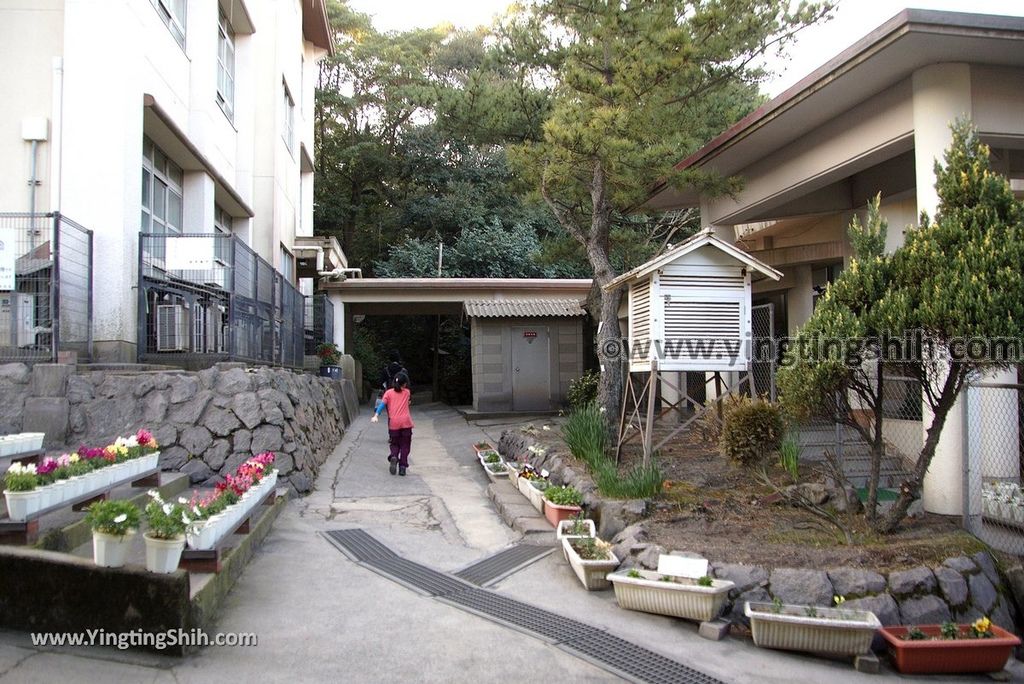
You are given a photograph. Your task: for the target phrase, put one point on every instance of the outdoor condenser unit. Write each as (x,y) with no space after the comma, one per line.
(17,319)
(171,327)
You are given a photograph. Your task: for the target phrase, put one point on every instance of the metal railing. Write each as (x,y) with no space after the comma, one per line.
(45,288)
(319,322)
(209,297)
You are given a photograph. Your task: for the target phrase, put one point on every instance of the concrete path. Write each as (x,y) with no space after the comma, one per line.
(321,617)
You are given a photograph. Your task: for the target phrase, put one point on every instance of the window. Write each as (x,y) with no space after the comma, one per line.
(161,191)
(821,276)
(287,265)
(225,66)
(222,227)
(173,14)
(288,130)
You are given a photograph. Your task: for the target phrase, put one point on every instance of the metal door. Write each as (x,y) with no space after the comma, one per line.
(531,369)
(763,360)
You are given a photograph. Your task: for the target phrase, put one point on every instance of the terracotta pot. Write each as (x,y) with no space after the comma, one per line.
(949,655)
(556,513)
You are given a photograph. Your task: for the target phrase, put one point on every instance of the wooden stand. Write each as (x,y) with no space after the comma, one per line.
(209,560)
(23,533)
(23,457)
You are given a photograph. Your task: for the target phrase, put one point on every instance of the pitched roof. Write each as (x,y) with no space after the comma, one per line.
(523,308)
(705,237)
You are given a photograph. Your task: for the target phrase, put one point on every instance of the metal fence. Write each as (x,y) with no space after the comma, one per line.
(993,410)
(209,297)
(319,322)
(45,288)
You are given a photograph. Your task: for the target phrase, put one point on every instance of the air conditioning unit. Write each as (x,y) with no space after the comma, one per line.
(171,327)
(17,319)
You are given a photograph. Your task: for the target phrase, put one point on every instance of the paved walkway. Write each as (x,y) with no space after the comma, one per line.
(321,617)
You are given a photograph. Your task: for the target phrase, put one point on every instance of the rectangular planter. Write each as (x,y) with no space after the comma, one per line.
(562,529)
(496,476)
(834,631)
(951,656)
(556,513)
(536,496)
(649,594)
(592,573)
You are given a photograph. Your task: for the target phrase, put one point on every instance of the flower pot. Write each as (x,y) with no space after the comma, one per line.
(487,447)
(563,527)
(949,655)
(204,537)
(681,599)
(20,505)
(496,475)
(593,574)
(536,496)
(332,372)
(110,550)
(556,513)
(33,441)
(163,555)
(832,630)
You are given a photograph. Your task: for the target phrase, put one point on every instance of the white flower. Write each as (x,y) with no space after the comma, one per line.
(184,518)
(196,511)
(545,427)
(132,441)
(603,409)
(544,473)
(183,501)
(167,509)
(120,518)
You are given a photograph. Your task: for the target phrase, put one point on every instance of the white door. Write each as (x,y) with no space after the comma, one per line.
(531,369)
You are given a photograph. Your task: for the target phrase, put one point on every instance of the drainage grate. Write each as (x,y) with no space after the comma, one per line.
(502,564)
(604,650)
(358,545)
(535,621)
(633,662)
(416,576)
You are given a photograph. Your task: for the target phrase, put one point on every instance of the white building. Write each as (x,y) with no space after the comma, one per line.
(165,117)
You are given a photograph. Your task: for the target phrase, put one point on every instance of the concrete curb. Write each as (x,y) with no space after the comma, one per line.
(520,515)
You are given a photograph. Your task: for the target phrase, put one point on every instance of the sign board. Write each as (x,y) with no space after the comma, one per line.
(8,254)
(678,566)
(530,334)
(189,254)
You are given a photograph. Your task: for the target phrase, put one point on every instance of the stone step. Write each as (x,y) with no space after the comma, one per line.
(519,514)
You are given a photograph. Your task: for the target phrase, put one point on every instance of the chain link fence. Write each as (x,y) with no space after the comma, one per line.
(993,409)
(209,297)
(45,288)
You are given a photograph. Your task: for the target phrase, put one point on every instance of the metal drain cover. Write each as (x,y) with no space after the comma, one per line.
(502,564)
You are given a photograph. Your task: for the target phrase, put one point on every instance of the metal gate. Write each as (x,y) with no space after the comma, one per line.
(763,352)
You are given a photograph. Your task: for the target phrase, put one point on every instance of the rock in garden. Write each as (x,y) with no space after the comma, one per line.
(814,492)
(17,373)
(195,439)
(745,577)
(987,565)
(801,586)
(736,613)
(241,440)
(247,407)
(266,438)
(221,422)
(952,585)
(197,470)
(300,482)
(853,582)
(924,610)
(173,458)
(183,388)
(188,413)
(920,580)
(648,558)
(961,564)
(882,605)
(983,593)
(233,382)
(217,454)
(1001,616)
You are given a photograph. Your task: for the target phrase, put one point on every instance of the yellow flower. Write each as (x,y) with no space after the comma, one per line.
(74,458)
(982,625)
(839,600)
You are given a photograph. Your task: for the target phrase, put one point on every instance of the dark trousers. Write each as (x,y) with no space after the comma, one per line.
(401,443)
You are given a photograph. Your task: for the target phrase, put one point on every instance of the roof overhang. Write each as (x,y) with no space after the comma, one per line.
(524,308)
(316,26)
(701,239)
(307,250)
(891,53)
(169,137)
(458,290)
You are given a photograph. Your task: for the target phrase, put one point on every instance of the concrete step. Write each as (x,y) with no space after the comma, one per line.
(519,514)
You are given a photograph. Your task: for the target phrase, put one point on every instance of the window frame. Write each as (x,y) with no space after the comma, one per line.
(175,24)
(160,168)
(226,52)
(288,115)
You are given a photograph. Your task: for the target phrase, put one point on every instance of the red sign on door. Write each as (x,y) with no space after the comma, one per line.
(529,333)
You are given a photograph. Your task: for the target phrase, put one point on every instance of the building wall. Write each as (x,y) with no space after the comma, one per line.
(492,359)
(114,54)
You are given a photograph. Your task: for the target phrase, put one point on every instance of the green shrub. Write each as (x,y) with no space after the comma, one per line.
(564,496)
(641,482)
(753,429)
(789,456)
(583,390)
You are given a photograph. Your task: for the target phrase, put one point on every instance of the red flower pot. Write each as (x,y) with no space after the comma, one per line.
(556,514)
(932,656)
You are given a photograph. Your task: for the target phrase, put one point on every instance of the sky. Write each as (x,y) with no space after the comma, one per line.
(852,20)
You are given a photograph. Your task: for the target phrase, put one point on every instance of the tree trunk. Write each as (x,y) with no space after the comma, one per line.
(877,450)
(911,489)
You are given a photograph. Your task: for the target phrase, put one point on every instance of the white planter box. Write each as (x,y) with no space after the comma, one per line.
(110,551)
(649,594)
(592,574)
(834,631)
(20,505)
(535,495)
(224,523)
(495,476)
(33,441)
(561,532)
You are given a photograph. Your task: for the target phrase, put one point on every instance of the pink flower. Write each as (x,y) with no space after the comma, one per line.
(64,460)
(46,467)
(144,437)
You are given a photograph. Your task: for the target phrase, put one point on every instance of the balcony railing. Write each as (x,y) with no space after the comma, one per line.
(208,297)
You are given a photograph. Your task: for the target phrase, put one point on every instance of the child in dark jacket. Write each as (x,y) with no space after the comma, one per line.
(400,425)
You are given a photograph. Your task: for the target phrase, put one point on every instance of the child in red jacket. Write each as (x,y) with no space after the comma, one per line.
(396,400)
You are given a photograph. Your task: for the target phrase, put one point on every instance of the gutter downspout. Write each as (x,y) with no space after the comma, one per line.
(57,135)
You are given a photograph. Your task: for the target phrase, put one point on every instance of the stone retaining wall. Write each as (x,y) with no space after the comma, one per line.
(961,588)
(207,422)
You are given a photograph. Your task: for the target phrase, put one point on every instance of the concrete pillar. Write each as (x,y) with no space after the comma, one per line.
(340,322)
(799,298)
(942,93)
(198,190)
